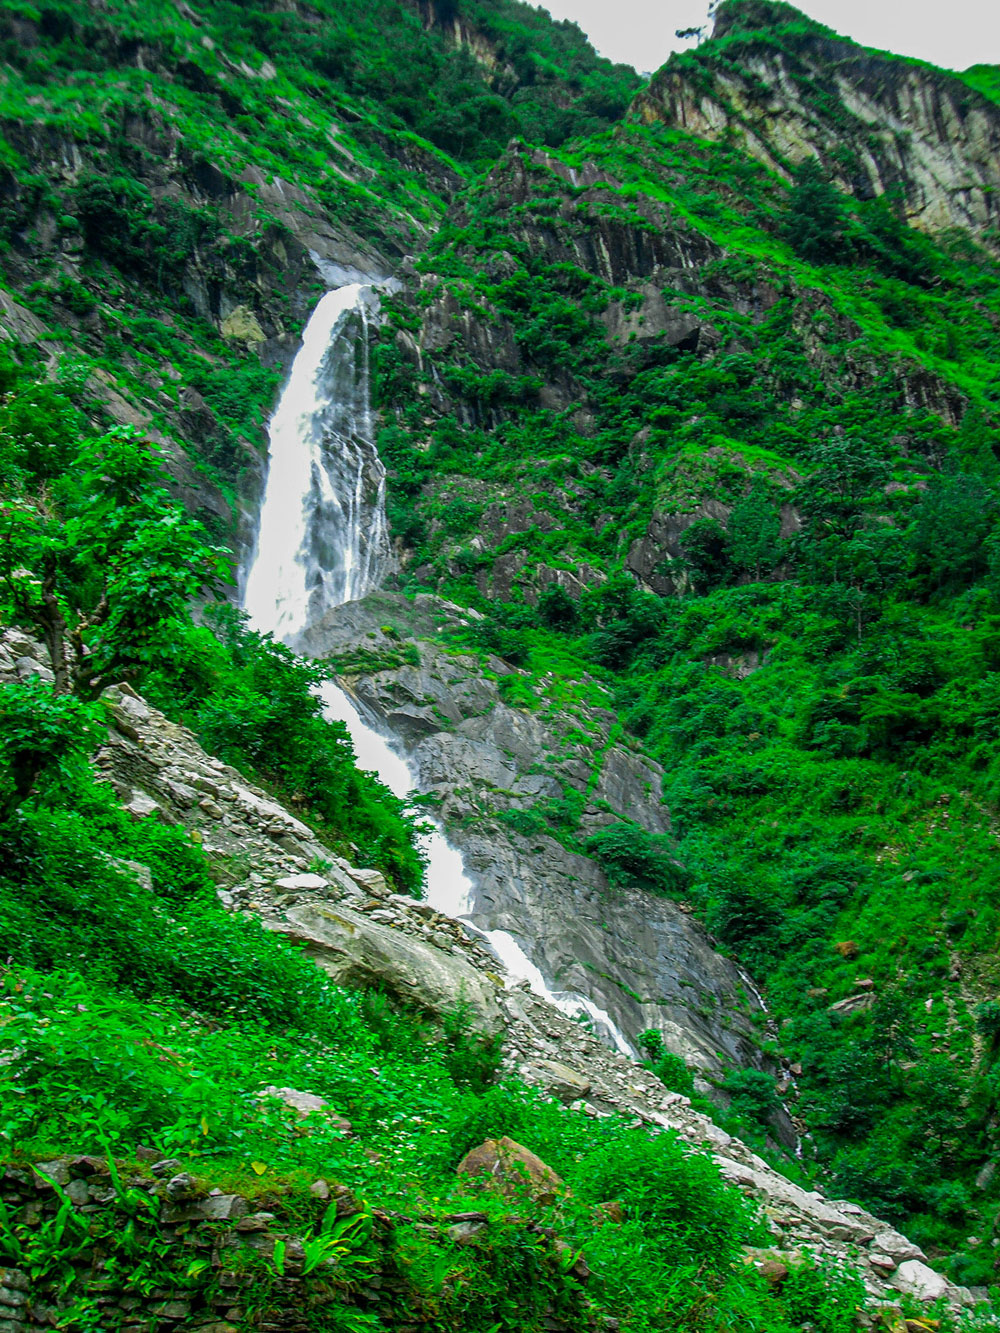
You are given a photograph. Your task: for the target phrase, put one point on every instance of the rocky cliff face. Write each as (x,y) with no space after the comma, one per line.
(252,285)
(655,289)
(169,237)
(488,766)
(786,89)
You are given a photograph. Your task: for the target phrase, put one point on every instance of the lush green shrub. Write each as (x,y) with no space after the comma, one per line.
(669,1068)
(44,741)
(252,702)
(68,899)
(630,857)
(685,1209)
(753,1095)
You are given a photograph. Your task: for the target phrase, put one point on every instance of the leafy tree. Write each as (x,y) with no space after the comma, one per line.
(753,1094)
(557,610)
(502,631)
(43,739)
(848,477)
(940,1116)
(856,1095)
(707,549)
(987,1016)
(858,572)
(954,519)
(882,237)
(755,530)
(742,912)
(814,224)
(38,425)
(104,564)
(891,1035)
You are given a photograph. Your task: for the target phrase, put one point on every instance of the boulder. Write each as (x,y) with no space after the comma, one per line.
(306,1104)
(241,325)
(222,1207)
(580,1269)
(853,1004)
(882,1263)
(372,880)
(466,1230)
(986,1175)
(773,1265)
(896,1246)
(356,951)
(181,1186)
(563,1082)
(165,1166)
(142,805)
(510,1169)
(303,883)
(773,1271)
(916,1279)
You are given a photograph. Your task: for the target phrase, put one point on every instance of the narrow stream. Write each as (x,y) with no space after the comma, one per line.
(322,540)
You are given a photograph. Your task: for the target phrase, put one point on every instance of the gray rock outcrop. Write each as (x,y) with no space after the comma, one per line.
(355,951)
(490,767)
(898,125)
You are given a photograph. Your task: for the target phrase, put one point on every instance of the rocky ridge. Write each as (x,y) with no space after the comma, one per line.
(786,90)
(360,932)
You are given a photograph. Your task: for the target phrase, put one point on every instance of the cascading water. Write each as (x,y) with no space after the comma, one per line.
(322,540)
(322,537)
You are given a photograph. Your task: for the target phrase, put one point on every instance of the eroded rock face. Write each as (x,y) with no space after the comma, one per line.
(899,126)
(640,957)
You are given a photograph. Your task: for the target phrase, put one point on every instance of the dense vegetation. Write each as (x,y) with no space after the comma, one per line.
(142,1013)
(811,399)
(816,669)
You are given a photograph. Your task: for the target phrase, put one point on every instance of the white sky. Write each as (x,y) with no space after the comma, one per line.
(955,35)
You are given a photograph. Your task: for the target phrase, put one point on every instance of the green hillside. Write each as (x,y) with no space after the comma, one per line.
(696,430)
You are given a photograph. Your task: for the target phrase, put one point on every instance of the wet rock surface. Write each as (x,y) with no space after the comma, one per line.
(639,957)
(899,127)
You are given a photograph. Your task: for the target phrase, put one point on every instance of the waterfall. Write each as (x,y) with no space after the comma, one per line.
(322,539)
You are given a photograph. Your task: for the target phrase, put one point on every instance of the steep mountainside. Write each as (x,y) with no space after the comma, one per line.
(787,89)
(688,396)
(180,182)
(725,439)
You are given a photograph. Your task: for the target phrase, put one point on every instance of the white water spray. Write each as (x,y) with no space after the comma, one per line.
(322,540)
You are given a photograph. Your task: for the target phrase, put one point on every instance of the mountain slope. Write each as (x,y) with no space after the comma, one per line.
(697,413)
(727,440)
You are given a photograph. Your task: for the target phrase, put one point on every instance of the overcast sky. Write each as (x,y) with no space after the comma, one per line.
(955,35)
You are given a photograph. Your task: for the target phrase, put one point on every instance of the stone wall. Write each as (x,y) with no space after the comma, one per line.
(147,1251)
